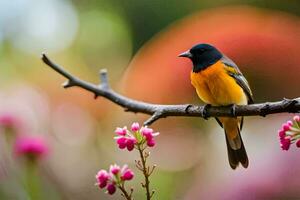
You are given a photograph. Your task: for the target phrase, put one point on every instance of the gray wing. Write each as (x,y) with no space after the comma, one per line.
(238,77)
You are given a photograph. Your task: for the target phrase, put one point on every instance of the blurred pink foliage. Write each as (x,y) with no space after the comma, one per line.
(33,148)
(8,120)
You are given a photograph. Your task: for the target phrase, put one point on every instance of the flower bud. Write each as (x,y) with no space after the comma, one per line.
(151,143)
(296,118)
(281,133)
(102,176)
(31,147)
(285,143)
(121,131)
(130,143)
(122,141)
(111,189)
(135,126)
(127,175)
(298,143)
(114,169)
(286,126)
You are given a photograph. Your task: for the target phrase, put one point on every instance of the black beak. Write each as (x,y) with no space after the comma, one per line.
(186,54)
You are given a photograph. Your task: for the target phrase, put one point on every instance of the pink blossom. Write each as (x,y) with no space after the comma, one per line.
(32,147)
(285,143)
(114,169)
(151,143)
(147,132)
(102,184)
(289,133)
(122,142)
(116,177)
(121,131)
(126,142)
(149,136)
(111,188)
(130,143)
(298,143)
(9,121)
(102,178)
(129,140)
(296,118)
(281,133)
(127,175)
(286,126)
(135,126)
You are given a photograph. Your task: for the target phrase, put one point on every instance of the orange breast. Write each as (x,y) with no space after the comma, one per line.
(214,86)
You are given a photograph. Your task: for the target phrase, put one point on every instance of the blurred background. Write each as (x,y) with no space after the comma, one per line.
(138,42)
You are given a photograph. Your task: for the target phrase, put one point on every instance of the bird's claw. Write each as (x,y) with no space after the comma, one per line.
(204,113)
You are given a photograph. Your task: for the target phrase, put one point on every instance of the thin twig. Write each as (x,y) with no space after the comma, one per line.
(146,185)
(158,111)
(125,194)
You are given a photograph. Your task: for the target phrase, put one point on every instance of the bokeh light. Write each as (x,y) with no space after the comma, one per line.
(38,26)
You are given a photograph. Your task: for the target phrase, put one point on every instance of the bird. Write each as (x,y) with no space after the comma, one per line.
(219,82)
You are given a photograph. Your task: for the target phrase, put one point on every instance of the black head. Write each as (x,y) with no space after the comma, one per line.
(202,56)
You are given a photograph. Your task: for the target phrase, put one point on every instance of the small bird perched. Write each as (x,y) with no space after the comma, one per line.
(219,82)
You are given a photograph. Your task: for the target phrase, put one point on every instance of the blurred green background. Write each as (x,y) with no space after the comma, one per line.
(138,42)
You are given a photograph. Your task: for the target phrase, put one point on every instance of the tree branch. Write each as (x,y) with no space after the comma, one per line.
(160,111)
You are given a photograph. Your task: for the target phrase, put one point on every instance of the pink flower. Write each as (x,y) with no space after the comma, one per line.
(285,143)
(281,133)
(111,189)
(126,142)
(121,131)
(147,132)
(298,143)
(149,136)
(151,143)
(9,121)
(130,143)
(102,184)
(127,175)
(122,142)
(31,147)
(102,178)
(116,177)
(141,136)
(114,169)
(286,126)
(135,126)
(289,133)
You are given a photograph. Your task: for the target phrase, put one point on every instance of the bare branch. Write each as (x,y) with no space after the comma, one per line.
(159,111)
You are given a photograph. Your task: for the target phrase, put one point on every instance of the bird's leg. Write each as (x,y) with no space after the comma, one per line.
(204,113)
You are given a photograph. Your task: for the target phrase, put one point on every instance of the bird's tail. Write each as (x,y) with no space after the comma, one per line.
(235,146)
